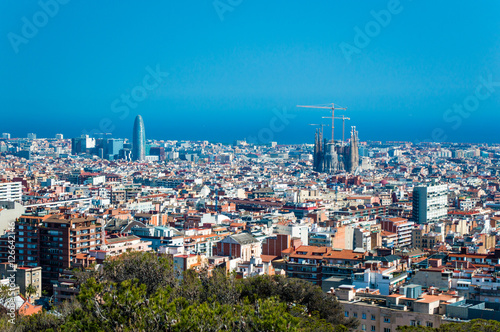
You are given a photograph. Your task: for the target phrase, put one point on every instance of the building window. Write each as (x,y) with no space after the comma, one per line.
(363,327)
(346,313)
(412,323)
(363,315)
(430,324)
(387,320)
(355,314)
(373,328)
(373,317)
(386,329)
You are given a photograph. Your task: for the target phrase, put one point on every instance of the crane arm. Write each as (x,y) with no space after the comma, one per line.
(326,107)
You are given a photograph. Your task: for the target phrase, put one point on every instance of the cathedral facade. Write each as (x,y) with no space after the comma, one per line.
(330,157)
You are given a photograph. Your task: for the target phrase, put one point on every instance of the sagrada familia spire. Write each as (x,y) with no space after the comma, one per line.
(331,158)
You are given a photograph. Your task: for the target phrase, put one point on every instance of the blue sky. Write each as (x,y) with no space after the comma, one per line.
(232,65)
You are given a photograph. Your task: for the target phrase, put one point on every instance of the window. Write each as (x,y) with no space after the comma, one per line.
(387,320)
(412,323)
(430,324)
(346,313)
(386,329)
(363,315)
(363,327)
(373,327)
(355,314)
(373,317)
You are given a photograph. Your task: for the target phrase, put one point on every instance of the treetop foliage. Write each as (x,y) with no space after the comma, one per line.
(144,292)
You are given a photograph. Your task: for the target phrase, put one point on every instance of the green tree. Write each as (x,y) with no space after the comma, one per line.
(30,290)
(296,291)
(149,269)
(142,292)
(219,287)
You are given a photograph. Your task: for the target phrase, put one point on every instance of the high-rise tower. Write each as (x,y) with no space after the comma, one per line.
(139,140)
(430,202)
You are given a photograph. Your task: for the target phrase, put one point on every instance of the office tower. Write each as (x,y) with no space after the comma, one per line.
(430,203)
(158,151)
(100,146)
(113,146)
(11,191)
(83,144)
(139,140)
(6,135)
(31,136)
(125,154)
(76,145)
(59,136)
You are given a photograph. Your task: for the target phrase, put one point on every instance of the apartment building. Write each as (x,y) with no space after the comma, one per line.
(11,191)
(25,276)
(122,244)
(316,264)
(402,227)
(430,203)
(54,241)
(241,245)
(379,313)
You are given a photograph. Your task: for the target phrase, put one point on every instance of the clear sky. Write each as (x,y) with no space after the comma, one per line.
(232,69)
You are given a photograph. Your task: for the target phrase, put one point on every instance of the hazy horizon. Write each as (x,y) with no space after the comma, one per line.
(216,70)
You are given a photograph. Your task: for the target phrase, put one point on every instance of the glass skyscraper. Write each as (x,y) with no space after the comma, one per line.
(139,140)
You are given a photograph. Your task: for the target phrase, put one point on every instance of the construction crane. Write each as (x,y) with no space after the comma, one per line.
(343,118)
(320,124)
(330,107)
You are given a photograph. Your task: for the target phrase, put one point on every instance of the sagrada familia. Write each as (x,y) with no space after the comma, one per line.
(330,157)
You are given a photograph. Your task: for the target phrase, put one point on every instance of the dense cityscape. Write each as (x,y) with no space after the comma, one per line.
(249,166)
(401,234)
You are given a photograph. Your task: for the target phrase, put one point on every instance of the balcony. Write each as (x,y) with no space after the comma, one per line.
(305,262)
(398,276)
(489,292)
